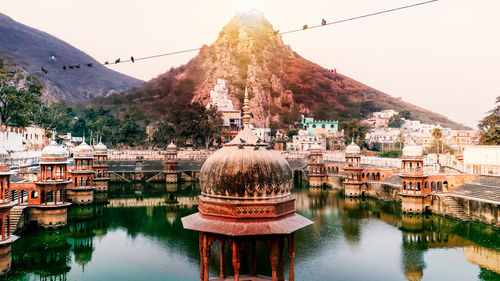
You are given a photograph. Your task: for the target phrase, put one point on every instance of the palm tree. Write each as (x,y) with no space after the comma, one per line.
(437,134)
(400,139)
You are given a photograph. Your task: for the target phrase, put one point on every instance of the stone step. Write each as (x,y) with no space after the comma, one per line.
(455,209)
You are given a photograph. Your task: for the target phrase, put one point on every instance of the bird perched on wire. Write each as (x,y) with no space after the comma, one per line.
(106,62)
(269,148)
(323,22)
(132,59)
(89,64)
(256,148)
(259,141)
(276,32)
(240,146)
(305,27)
(242,140)
(117,60)
(44,70)
(71,67)
(64,67)
(77,66)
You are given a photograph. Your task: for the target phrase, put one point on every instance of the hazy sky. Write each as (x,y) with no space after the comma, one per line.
(444,56)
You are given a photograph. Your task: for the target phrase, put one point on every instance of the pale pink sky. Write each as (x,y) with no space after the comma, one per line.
(444,56)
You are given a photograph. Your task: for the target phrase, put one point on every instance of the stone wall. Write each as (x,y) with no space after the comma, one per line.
(5,259)
(49,217)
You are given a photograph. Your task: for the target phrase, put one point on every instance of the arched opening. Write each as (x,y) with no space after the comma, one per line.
(24,196)
(14,195)
(433,187)
(34,194)
(50,196)
(426,185)
(378,176)
(418,186)
(44,199)
(404,185)
(7,227)
(440,186)
(410,186)
(445,183)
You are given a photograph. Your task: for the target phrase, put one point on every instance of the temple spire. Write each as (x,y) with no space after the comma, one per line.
(246,108)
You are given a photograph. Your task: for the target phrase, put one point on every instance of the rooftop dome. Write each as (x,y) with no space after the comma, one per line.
(53,150)
(352,149)
(100,147)
(172,146)
(412,150)
(245,169)
(83,148)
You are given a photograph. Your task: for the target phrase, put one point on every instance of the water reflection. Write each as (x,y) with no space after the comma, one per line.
(135,233)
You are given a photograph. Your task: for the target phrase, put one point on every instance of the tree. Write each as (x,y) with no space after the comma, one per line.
(395,121)
(20,96)
(437,134)
(353,128)
(489,126)
(406,114)
(401,139)
(55,116)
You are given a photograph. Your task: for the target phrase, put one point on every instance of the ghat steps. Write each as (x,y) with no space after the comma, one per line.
(455,209)
(15,215)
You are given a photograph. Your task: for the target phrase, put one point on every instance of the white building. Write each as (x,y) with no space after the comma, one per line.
(482,159)
(263,133)
(389,135)
(385,114)
(219,97)
(304,142)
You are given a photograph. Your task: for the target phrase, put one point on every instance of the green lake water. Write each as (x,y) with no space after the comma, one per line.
(137,236)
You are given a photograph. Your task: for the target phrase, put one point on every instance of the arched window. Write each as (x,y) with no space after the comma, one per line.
(410,185)
(404,185)
(426,185)
(433,187)
(418,186)
(34,194)
(440,186)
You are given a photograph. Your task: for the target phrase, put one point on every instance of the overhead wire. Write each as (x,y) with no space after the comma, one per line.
(305,27)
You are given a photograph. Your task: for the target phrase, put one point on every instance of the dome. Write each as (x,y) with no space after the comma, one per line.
(245,169)
(172,147)
(352,149)
(83,148)
(412,150)
(53,150)
(100,147)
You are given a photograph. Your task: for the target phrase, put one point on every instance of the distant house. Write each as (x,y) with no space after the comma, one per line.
(315,127)
(303,141)
(385,114)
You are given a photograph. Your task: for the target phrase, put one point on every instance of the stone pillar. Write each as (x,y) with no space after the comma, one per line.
(236,261)
(253,266)
(291,256)
(221,274)
(274,259)
(281,265)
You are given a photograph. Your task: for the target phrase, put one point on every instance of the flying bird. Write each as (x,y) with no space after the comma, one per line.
(132,59)
(323,22)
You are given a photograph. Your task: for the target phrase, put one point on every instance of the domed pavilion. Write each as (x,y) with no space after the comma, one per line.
(100,167)
(245,198)
(48,198)
(413,192)
(353,185)
(81,191)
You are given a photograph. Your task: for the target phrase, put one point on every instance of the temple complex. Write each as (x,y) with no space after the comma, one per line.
(47,198)
(172,175)
(100,167)
(81,189)
(246,199)
(6,205)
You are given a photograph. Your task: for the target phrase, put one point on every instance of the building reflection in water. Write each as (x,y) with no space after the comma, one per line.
(47,254)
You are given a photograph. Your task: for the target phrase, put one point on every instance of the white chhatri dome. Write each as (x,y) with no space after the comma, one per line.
(172,146)
(412,150)
(83,148)
(53,150)
(100,147)
(352,149)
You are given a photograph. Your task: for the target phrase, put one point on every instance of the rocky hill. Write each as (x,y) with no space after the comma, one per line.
(247,53)
(32,49)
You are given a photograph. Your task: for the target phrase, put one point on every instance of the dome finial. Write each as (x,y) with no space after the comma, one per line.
(246,113)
